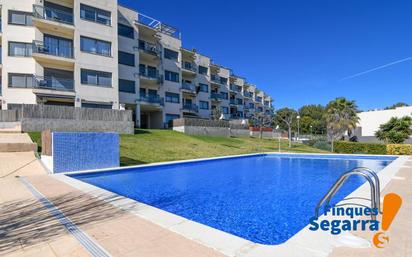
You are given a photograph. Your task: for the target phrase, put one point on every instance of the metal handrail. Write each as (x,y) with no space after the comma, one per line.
(361,171)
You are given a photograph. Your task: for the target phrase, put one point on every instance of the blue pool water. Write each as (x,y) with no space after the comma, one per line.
(263,198)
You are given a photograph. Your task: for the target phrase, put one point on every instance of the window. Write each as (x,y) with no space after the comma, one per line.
(240,114)
(57,46)
(260,109)
(127,86)
(251,106)
(126,58)
(203,70)
(203,87)
(224,95)
(20,18)
(225,110)
(204,105)
(170,54)
(17,80)
(170,117)
(171,76)
(172,98)
(125,31)
(94,14)
(96,78)
(95,46)
(239,101)
(142,92)
(20,49)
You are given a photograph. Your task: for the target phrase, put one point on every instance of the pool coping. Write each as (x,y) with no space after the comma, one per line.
(303,243)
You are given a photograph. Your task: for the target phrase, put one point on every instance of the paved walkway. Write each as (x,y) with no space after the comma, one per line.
(400,231)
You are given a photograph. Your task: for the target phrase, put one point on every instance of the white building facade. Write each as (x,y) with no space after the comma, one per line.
(98,54)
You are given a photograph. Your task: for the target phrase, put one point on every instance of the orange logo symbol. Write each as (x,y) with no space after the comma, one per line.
(391,205)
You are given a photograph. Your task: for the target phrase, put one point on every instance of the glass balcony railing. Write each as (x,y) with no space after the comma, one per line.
(153,99)
(188,86)
(232,101)
(248,94)
(48,13)
(150,74)
(149,48)
(259,99)
(188,66)
(53,48)
(190,107)
(216,95)
(54,83)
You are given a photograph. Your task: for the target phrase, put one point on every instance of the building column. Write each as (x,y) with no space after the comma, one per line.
(137,116)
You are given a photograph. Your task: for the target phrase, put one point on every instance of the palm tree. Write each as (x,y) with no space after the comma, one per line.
(341,117)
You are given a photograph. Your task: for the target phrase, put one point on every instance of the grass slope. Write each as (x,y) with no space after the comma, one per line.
(149,145)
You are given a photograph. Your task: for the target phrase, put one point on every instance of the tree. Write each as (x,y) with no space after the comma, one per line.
(261,121)
(341,117)
(312,119)
(285,118)
(216,114)
(395,131)
(394,106)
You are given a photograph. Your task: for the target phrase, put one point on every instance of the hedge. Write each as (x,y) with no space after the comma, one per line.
(359,148)
(398,149)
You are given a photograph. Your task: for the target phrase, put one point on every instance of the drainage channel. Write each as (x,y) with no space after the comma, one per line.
(89,244)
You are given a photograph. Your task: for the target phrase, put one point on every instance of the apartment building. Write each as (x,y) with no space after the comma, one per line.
(99,54)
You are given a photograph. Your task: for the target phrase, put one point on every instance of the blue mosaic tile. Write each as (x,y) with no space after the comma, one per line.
(74,151)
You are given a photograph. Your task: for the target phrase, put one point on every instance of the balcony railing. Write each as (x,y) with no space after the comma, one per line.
(54,83)
(216,95)
(259,99)
(190,107)
(235,88)
(157,25)
(236,116)
(152,75)
(248,94)
(232,101)
(153,99)
(149,48)
(48,13)
(188,86)
(188,66)
(53,49)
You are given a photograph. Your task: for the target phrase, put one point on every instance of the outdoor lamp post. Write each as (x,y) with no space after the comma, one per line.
(311,131)
(277,128)
(298,117)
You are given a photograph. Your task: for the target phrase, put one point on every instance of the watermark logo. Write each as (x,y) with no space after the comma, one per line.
(391,205)
(357,222)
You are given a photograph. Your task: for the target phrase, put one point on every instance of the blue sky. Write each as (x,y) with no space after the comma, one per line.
(299,51)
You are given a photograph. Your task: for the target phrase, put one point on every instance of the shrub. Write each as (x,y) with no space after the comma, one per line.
(323,145)
(359,148)
(398,149)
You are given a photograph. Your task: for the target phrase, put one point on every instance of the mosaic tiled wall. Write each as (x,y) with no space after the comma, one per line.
(75,151)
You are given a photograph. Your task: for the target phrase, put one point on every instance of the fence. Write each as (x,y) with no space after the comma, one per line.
(65,118)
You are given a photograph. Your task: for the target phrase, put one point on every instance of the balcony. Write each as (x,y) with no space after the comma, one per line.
(233,101)
(153,24)
(188,68)
(216,96)
(54,83)
(248,94)
(151,100)
(150,76)
(235,88)
(259,99)
(49,18)
(188,87)
(53,54)
(190,107)
(148,50)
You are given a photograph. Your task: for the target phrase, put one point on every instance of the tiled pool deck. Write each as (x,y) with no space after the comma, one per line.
(28,229)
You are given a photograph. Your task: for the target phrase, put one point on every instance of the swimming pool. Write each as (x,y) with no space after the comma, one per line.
(264,198)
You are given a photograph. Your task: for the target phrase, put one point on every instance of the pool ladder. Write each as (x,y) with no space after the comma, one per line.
(374,184)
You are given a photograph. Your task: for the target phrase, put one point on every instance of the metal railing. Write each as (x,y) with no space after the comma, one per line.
(157,25)
(190,107)
(370,177)
(149,74)
(54,83)
(153,99)
(188,86)
(52,49)
(149,48)
(48,13)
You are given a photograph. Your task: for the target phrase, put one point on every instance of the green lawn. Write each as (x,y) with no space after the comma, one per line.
(149,145)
